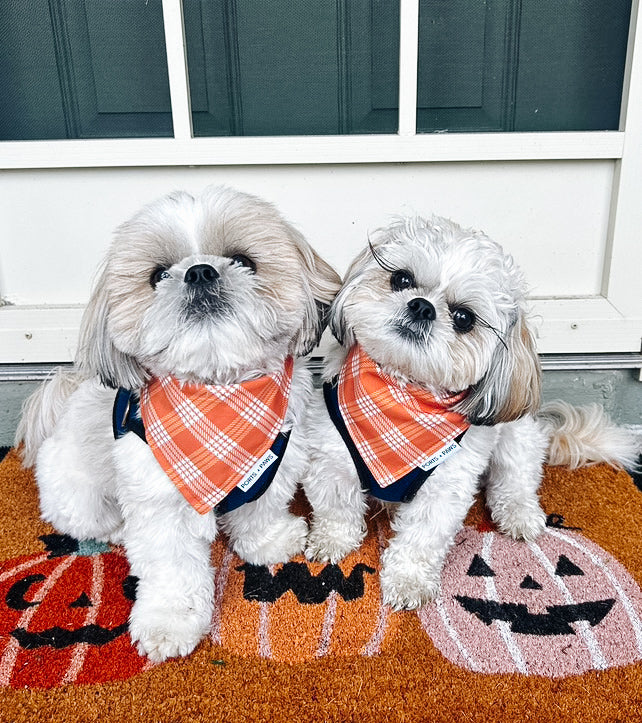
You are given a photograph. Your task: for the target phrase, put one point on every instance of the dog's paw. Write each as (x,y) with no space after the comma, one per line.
(522,522)
(163,633)
(331,541)
(406,583)
(284,539)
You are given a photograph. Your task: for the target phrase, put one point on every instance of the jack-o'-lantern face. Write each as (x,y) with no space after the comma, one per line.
(63,616)
(558,606)
(301,610)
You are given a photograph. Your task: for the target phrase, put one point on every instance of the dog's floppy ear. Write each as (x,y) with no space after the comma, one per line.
(511,387)
(97,354)
(322,283)
(337,318)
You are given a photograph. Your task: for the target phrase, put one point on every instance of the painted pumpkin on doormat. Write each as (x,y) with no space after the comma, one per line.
(557,607)
(299,610)
(63,616)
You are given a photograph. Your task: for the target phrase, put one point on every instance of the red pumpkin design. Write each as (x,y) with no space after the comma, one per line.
(557,607)
(63,616)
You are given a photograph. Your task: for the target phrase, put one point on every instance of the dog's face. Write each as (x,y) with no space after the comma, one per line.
(206,289)
(443,307)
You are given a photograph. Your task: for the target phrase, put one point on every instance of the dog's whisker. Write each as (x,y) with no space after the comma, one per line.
(495,331)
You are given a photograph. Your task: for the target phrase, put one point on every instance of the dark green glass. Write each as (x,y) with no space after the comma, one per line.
(83,69)
(97,68)
(292,67)
(521,65)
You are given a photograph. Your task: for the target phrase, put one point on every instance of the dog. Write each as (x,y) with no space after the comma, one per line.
(431,391)
(203,303)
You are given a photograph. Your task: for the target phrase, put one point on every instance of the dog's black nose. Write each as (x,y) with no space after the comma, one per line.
(200,274)
(421,309)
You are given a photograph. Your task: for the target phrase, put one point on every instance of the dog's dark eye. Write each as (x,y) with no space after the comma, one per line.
(401,280)
(463,319)
(158,275)
(242,260)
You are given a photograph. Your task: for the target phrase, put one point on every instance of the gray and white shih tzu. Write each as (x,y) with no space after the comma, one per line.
(432,391)
(202,303)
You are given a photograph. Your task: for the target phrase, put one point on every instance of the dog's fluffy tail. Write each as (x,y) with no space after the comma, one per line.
(580,436)
(41,411)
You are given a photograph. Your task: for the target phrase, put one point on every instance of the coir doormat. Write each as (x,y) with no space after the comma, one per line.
(550,631)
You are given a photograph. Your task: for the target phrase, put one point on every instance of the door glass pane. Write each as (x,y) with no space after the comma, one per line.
(83,69)
(521,65)
(292,67)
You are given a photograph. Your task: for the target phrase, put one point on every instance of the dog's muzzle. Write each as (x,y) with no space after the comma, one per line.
(417,320)
(204,296)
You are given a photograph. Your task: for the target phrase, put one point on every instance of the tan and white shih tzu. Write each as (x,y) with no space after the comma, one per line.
(200,316)
(432,392)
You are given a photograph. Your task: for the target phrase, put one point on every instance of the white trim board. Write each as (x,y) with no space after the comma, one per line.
(585,325)
(286,150)
(38,334)
(565,326)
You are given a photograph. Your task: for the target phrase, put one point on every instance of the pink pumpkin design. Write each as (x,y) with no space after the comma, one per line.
(559,606)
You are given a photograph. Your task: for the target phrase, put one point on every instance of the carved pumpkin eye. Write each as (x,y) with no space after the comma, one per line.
(566,567)
(479,568)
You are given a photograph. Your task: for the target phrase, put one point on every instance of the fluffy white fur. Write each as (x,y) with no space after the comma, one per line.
(143,319)
(453,269)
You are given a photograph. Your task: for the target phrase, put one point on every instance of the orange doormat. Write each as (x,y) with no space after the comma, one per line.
(543,632)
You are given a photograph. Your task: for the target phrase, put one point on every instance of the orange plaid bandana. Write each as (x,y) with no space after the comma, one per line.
(211,438)
(395,429)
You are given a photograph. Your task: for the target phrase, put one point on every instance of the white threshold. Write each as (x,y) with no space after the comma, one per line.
(29,372)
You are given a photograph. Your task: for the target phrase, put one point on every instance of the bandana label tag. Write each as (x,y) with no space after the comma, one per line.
(257,470)
(441,456)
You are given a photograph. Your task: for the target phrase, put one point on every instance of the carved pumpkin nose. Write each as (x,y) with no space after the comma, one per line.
(529,584)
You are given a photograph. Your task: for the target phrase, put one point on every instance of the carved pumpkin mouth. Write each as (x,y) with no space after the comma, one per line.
(557,621)
(263,586)
(60,638)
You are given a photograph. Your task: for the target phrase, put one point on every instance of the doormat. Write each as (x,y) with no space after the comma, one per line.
(549,631)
